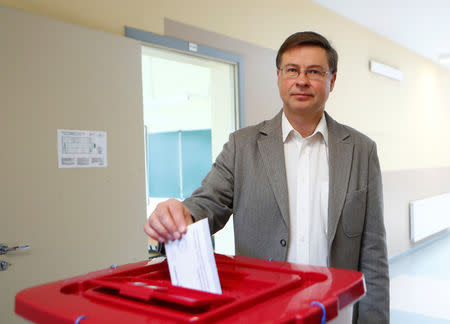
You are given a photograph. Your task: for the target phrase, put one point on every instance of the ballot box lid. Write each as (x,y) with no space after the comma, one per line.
(253,291)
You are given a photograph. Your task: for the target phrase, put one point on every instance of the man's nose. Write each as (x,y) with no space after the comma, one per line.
(302,79)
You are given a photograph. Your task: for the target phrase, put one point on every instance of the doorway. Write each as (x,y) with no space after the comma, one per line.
(191,105)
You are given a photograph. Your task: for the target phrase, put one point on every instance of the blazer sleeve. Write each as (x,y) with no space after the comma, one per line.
(374,307)
(214,198)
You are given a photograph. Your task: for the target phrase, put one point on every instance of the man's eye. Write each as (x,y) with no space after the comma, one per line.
(291,70)
(313,72)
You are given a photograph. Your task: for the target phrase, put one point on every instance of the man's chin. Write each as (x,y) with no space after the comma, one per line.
(302,110)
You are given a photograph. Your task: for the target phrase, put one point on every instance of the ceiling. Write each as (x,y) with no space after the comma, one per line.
(421,26)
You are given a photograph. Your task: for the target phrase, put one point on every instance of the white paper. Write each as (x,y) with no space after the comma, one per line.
(81,149)
(191,260)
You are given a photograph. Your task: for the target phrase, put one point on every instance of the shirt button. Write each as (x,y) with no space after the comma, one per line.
(283,243)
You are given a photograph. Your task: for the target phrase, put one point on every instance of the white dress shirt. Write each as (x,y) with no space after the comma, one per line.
(307,179)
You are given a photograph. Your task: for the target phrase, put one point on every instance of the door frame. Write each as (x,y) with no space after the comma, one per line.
(195,49)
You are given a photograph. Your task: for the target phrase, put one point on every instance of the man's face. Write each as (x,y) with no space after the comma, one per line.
(301,96)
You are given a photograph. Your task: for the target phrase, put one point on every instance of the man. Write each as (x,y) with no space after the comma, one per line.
(302,187)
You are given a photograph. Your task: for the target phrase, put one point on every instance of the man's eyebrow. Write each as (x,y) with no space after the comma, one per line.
(315,66)
(308,67)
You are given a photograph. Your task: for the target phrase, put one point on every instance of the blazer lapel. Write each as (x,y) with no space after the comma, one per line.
(271,148)
(340,152)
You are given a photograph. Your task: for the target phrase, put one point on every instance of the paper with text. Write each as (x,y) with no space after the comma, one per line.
(191,259)
(81,149)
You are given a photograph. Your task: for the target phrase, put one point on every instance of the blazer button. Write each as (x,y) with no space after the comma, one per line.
(283,243)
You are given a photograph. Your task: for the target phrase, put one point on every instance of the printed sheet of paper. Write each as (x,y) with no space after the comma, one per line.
(81,149)
(191,260)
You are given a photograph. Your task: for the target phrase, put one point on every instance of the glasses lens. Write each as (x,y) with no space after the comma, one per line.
(291,72)
(315,74)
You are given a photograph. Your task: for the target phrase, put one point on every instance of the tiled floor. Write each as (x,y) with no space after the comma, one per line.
(420,284)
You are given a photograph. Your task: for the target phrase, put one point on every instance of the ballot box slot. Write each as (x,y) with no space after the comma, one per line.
(162,291)
(154,308)
(183,304)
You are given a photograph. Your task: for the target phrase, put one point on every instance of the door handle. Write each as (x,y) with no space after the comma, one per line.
(5,249)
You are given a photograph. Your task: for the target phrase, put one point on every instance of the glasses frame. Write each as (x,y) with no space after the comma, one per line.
(309,73)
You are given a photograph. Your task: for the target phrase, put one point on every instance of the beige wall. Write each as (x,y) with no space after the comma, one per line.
(407,119)
(56,75)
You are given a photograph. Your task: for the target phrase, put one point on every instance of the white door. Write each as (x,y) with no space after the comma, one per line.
(54,75)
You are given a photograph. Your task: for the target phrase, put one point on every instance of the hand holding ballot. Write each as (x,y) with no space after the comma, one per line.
(168,221)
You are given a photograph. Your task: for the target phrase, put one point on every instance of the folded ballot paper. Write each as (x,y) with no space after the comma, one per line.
(191,259)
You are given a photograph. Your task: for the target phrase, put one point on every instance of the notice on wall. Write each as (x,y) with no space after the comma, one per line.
(81,149)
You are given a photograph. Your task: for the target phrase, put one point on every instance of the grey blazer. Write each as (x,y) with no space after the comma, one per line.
(248,180)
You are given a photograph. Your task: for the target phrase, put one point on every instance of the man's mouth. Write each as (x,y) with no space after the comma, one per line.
(301,95)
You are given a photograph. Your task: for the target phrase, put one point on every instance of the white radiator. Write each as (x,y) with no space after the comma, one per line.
(429,216)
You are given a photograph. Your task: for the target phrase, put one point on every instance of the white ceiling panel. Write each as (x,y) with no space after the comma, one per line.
(421,26)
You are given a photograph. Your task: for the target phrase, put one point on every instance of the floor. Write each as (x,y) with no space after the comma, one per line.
(420,284)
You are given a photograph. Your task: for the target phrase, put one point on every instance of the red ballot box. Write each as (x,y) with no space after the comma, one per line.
(254,291)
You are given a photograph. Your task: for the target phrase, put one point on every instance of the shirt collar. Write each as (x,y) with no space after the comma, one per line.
(321,128)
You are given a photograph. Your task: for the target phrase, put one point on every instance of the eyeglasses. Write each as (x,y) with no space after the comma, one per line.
(292,72)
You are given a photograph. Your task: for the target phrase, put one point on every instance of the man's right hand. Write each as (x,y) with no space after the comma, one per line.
(168,221)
